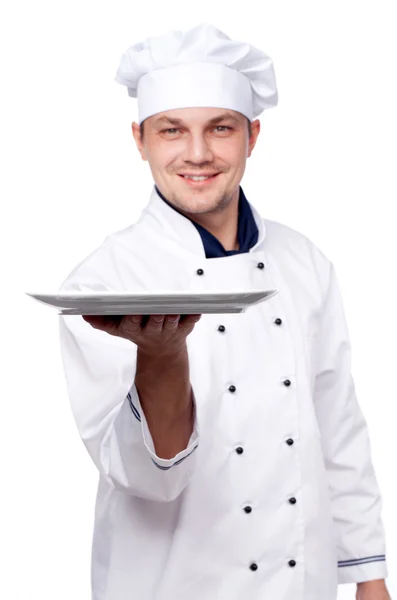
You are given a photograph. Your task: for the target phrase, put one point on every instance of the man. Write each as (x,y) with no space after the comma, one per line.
(233,456)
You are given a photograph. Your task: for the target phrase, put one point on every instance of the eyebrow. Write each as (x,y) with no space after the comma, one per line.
(213,121)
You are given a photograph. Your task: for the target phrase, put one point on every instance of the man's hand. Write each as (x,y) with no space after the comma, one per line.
(372,590)
(156,335)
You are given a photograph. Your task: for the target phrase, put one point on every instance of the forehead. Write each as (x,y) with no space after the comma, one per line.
(195,116)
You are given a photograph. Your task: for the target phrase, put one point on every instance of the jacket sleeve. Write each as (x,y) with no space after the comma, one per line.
(100,371)
(355,497)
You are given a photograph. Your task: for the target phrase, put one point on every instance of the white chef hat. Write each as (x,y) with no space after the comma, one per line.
(199,67)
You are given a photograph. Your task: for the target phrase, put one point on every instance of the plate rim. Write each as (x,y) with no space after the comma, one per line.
(128,294)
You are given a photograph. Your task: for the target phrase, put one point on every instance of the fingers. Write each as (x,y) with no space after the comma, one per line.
(158,323)
(171,322)
(151,324)
(154,324)
(131,325)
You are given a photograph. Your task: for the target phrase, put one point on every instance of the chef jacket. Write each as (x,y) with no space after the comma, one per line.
(275,495)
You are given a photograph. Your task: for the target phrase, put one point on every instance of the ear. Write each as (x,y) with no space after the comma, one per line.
(255,128)
(136,132)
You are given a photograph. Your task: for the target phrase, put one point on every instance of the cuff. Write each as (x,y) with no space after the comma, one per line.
(162,463)
(358,570)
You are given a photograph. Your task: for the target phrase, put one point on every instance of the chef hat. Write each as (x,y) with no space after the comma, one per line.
(199,67)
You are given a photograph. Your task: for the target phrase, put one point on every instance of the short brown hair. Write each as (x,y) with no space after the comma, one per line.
(141,128)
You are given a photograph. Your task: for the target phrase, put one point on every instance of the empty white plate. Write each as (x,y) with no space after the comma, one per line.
(159,303)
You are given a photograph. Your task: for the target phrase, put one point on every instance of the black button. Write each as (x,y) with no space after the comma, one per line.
(248,509)
(287,382)
(290,442)
(278,321)
(292,500)
(239,450)
(253,567)
(232,388)
(261,265)
(221,328)
(200,271)
(292,563)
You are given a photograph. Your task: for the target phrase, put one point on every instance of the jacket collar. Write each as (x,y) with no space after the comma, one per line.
(194,238)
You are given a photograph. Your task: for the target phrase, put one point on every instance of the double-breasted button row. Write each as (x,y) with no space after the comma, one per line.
(239,449)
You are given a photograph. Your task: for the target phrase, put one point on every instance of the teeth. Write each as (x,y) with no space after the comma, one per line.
(196,178)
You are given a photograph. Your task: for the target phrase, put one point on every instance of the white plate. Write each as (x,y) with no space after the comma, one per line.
(159,303)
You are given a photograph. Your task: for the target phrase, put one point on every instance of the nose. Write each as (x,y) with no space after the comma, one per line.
(197,150)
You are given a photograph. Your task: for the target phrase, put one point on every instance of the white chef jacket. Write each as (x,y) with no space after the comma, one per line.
(275,495)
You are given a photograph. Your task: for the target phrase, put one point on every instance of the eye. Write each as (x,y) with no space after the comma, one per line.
(170,130)
(222,127)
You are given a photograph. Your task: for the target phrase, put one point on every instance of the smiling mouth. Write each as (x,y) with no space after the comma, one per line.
(198,179)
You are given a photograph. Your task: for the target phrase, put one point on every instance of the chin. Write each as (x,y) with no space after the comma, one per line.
(200,204)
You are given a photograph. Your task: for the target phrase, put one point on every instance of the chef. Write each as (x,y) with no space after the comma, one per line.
(234,462)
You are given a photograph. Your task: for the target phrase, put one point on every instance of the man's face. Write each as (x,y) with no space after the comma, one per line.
(197,141)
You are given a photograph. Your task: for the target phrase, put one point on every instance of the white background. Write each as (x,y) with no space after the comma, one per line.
(325,164)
